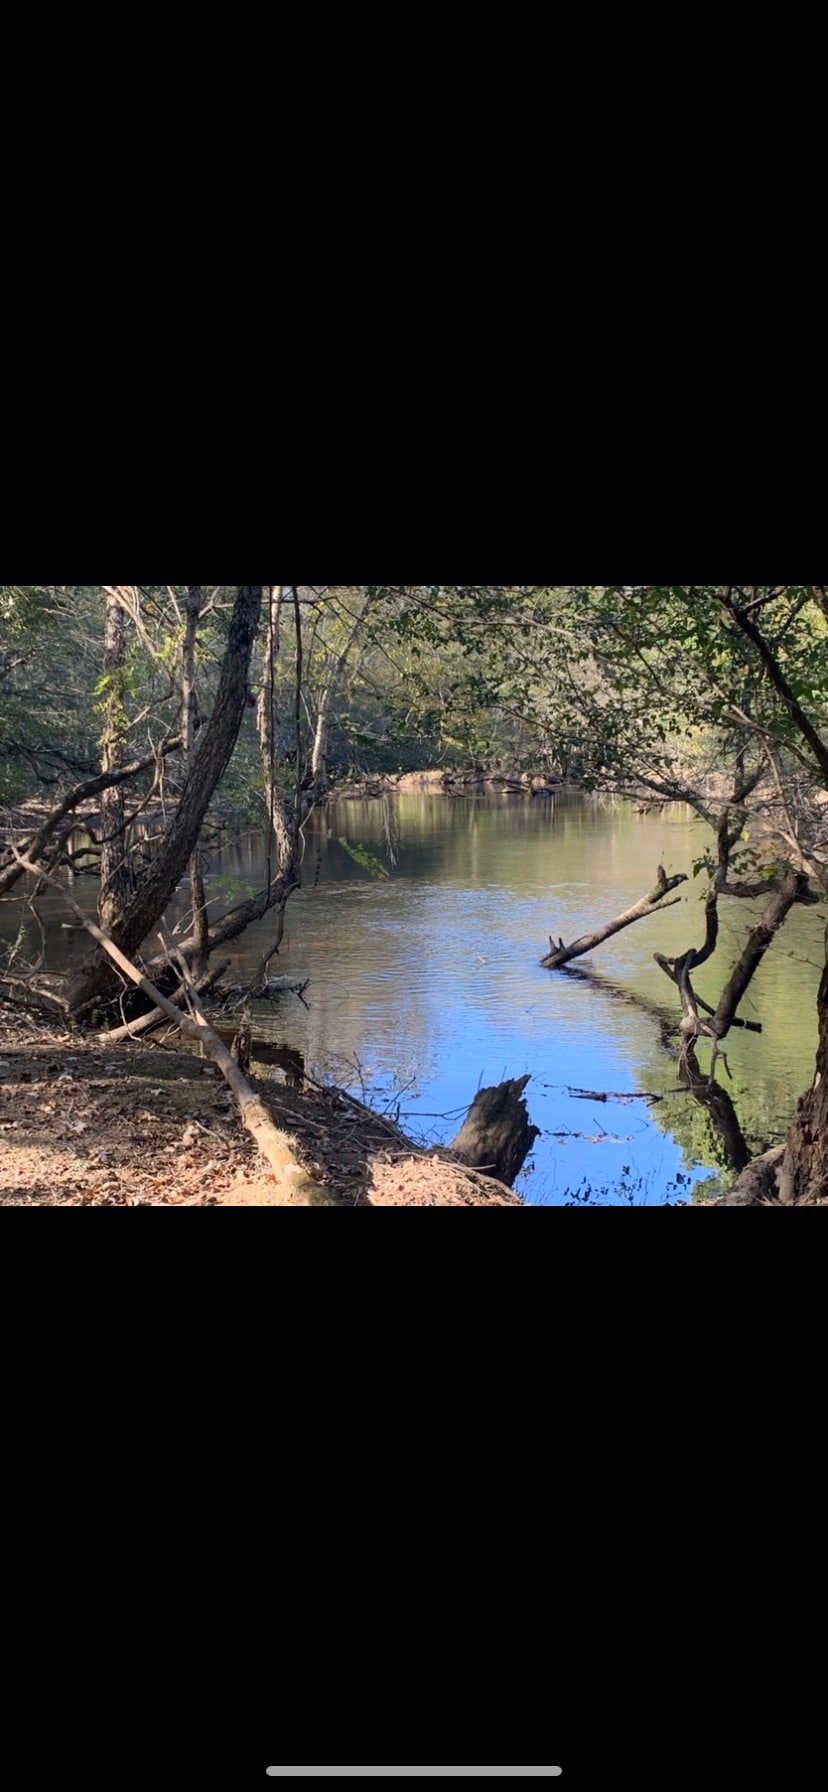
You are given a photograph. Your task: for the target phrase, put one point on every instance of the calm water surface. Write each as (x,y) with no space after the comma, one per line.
(425,984)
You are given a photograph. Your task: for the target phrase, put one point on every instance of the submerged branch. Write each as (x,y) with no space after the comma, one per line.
(649,905)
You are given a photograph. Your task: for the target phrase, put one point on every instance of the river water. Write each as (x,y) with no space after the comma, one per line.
(425,983)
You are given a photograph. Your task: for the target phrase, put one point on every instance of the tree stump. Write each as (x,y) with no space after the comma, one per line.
(497,1135)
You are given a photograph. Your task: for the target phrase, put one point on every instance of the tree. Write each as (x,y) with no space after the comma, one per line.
(778,623)
(749,664)
(712,695)
(115,868)
(47,717)
(131,925)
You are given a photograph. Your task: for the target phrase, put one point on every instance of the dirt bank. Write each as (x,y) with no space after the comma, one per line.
(137,1125)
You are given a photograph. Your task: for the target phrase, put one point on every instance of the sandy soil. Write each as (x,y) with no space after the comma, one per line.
(142,1125)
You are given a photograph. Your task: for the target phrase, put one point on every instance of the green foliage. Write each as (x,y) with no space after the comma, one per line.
(50,655)
(653,685)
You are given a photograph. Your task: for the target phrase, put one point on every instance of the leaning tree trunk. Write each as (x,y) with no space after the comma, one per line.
(283,876)
(804,1173)
(115,884)
(201,929)
(793,888)
(95,981)
(648,905)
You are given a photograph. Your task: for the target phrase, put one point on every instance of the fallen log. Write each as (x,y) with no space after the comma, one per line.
(295,1183)
(497,1136)
(758,1184)
(649,905)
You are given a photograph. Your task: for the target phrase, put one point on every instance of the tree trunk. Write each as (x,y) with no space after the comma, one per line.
(95,981)
(116,883)
(649,905)
(194,605)
(496,1135)
(280,828)
(804,1173)
(282,876)
(793,888)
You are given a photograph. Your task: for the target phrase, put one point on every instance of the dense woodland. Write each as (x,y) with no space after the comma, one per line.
(135,721)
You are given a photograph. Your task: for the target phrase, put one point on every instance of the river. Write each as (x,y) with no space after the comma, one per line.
(425,983)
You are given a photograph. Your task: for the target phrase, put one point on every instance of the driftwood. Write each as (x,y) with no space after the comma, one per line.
(496,1135)
(648,905)
(294,1182)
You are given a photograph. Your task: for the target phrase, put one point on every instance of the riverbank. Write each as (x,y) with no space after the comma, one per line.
(444,783)
(17,817)
(140,1125)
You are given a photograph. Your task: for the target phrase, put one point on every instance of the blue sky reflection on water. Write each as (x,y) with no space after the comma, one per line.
(504,1017)
(427,985)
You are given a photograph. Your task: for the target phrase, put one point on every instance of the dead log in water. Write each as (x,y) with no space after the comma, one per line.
(648,905)
(497,1135)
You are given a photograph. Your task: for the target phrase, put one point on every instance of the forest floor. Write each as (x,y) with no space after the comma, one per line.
(147,1125)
